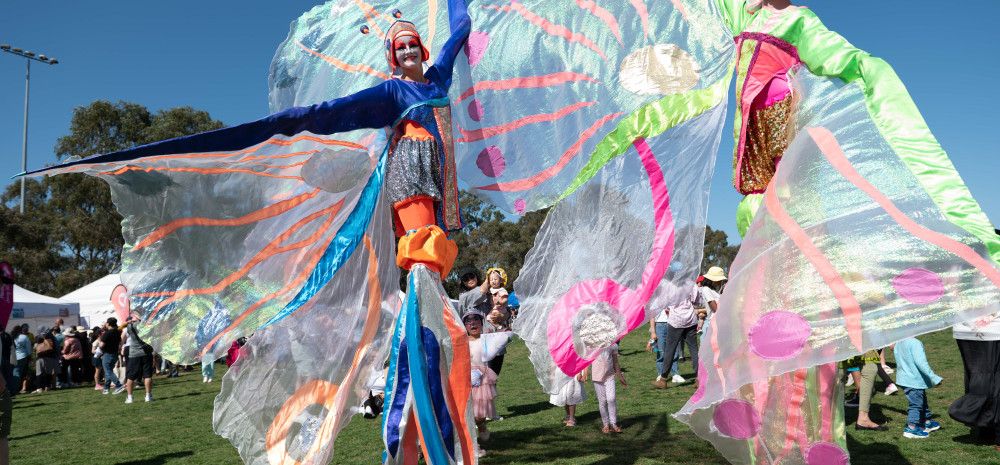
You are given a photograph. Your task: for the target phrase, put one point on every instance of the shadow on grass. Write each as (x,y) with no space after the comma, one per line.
(190,394)
(159,459)
(977,437)
(876,452)
(25,404)
(528,409)
(26,436)
(645,437)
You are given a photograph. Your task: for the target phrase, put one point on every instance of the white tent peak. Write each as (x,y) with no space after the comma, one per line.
(23,295)
(95,299)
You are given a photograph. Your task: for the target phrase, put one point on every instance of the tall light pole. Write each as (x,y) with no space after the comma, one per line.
(29,57)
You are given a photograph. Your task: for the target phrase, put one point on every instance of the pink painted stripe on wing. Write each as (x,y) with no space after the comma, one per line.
(549,27)
(546,174)
(848,303)
(526,82)
(604,15)
(835,155)
(640,8)
(491,131)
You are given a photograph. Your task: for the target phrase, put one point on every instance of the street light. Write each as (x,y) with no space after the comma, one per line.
(29,57)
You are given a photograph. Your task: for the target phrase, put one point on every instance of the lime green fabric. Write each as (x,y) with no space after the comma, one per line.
(826,53)
(650,120)
(746,211)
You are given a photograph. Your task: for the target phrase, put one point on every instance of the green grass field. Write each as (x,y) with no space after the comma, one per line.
(81,426)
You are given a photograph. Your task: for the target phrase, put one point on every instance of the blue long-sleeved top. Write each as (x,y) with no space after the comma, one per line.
(375,107)
(912,368)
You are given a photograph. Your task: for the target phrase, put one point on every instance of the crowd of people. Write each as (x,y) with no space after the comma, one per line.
(72,356)
(111,357)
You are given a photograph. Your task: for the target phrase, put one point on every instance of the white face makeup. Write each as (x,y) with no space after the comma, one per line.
(408,52)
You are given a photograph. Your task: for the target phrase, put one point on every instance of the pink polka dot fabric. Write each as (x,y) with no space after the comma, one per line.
(919,285)
(736,419)
(779,335)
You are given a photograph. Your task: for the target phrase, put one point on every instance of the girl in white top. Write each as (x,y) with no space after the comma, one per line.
(603,372)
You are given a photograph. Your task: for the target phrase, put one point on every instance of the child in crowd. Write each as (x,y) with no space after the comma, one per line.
(570,394)
(915,376)
(484,380)
(472,290)
(603,372)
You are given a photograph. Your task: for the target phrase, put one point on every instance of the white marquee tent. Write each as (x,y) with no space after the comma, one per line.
(95,300)
(41,311)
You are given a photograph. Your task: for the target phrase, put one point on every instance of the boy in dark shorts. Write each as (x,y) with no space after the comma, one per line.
(140,362)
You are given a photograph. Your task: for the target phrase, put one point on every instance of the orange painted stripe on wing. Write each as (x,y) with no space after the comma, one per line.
(527,82)
(271,249)
(272,141)
(459,388)
(343,65)
(432,12)
(269,211)
(486,133)
(549,27)
(205,171)
(311,261)
(370,15)
(547,173)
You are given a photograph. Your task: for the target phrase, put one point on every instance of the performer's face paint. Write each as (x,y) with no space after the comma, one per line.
(408,52)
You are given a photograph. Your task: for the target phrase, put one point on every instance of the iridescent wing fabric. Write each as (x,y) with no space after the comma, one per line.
(565,101)
(855,246)
(223,230)
(612,112)
(326,55)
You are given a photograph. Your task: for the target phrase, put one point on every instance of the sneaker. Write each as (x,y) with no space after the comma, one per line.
(119,390)
(660,383)
(892,389)
(105,391)
(677,379)
(931,425)
(208,380)
(128,399)
(204,379)
(149,397)
(914,433)
(852,401)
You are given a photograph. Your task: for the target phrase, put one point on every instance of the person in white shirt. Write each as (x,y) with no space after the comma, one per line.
(673,325)
(710,289)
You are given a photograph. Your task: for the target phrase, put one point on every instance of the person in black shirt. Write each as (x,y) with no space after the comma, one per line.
(110,342)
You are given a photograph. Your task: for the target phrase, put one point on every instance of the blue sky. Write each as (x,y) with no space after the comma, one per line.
(214,55)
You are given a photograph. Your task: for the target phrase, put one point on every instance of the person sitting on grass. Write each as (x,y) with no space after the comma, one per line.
(915,376)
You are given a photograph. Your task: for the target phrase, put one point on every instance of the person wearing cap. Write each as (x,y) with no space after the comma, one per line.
(710,288)
(72,354)
(473,289)
(139,364)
